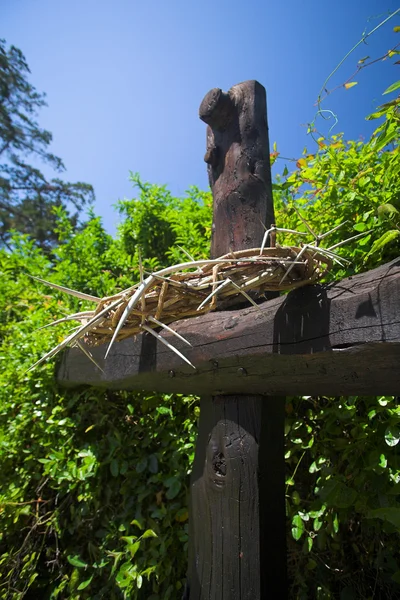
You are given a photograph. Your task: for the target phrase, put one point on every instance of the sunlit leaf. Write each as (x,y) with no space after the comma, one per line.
(149,533)
(392,88)
(386,238)
(388,209)
(392,435)
(347,86)
(85,584)
(297,527)
(75,561)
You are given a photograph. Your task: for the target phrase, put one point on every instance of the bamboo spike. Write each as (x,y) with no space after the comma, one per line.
(76,335)
(53,351)
(169,329)
(140,266)
(327,252)
(89,355)
(186,253)
(266,234)
(249,298)
(161,278)
(199,270)
(324,235)
(141,289)
(304,248)
(349,240)
(305,223)
(61,288)
(265,238)
(75,317)
(143,297)
(214,292)
(170,346)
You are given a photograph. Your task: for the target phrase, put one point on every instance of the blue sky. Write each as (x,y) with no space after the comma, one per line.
(124,79)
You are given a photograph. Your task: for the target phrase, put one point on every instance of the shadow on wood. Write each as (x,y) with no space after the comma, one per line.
(235,468)
(340,339)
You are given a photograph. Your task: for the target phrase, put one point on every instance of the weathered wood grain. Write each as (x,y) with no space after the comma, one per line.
(233,553)
(340,339)
(238,162)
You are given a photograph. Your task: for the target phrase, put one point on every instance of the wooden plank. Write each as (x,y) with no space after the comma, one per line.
(225,492)
(339,339)
(233,489)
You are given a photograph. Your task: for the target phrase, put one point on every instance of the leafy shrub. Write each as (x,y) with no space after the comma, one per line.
(93,496)
(93,500)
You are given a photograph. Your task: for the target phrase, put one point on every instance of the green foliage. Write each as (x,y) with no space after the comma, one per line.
(93,490)
(27,198)
(343,481)
(343,499)
(93,496)
(159,225)
(354,183)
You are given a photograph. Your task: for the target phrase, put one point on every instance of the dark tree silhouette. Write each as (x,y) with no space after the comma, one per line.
(27,197)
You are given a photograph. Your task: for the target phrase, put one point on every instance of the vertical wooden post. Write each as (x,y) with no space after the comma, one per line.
(237,547)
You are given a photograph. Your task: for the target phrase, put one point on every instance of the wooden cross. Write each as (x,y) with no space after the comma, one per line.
(340,339)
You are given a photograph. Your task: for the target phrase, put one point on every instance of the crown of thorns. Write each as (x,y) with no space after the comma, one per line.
(193,288)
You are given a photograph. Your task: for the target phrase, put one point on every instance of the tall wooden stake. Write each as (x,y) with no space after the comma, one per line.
(237,548)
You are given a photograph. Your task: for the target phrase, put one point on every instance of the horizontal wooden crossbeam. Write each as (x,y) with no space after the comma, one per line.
(340,339)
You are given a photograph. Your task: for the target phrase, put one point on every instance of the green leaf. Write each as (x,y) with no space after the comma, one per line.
(384,400)
(133,548)
(336,524)
(392,88)
(389,513)
(141,465)
(297,527)
(338,494)
(375,115)
(317,524)
(386,238)
(387,209)
(149,533)
(114,467)
(388,134)
(85,584)
(153,463)
(174,488)
(137,523)
(392,436)
(396,576)
(75,561)
(347,86)
(163,410)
